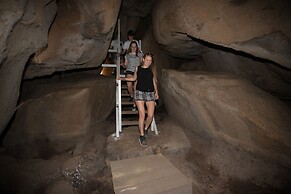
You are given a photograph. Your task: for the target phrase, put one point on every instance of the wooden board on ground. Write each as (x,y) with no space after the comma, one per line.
(148,174)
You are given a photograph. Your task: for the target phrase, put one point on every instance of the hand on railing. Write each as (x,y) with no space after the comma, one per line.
(120,78)
(117,80)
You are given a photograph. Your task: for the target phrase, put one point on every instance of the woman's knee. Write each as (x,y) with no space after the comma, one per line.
(142,116)
(150,116)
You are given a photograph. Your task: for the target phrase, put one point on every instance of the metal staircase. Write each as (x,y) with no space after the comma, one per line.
(120,94)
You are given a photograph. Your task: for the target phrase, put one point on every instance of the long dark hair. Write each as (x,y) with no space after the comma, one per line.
(129,49)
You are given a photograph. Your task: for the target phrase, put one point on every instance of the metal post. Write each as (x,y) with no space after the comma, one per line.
(117,110)
(118,86)
(154,126)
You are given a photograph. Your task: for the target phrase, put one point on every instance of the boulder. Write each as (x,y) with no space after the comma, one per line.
(54,116)
(246,127)
(224,106)
(267,76)
(259,28)
(24,27)
(79,37)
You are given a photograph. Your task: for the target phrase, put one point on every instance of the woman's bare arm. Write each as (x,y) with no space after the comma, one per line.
(156,88)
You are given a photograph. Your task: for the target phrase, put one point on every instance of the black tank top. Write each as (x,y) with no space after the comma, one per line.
(145,80)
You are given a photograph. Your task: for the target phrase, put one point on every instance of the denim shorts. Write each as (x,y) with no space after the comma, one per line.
(144,96)
(129,72)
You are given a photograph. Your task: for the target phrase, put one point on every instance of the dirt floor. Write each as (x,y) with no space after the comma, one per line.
(85,168)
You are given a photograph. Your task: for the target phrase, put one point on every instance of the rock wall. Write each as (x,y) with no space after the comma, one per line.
(78,38)
(267,76)
(25,29)
(229,110)
(53,116)
(260,28)
(43,37)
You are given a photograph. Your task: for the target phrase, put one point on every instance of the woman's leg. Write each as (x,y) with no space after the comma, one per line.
(129,85)
(141,113)
(150,115)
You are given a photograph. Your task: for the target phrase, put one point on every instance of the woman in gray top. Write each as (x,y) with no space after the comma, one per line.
(132,60)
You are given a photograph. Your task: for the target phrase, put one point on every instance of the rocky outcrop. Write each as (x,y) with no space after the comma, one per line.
(224,108)
(259,28)
(269,77)
(53,116)
(33,37)
(79,37)
(23,32)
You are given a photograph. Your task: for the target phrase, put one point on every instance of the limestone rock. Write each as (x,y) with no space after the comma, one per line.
(260,28)
(79,37)
(24,30)
(228,108)
(269,77)
(56,115)
(243,127)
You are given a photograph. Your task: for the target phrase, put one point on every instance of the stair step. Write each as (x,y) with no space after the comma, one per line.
(129,123)
(126,103)
(129,112)
(125,95)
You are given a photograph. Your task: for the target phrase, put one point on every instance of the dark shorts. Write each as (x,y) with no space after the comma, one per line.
(129,72)
(144,96)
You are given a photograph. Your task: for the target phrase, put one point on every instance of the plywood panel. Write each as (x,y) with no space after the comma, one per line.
(148,174)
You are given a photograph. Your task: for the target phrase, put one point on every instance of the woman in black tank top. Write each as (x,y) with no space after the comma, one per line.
(146,92)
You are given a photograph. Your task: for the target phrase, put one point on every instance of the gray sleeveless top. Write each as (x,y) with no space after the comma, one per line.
(133,61)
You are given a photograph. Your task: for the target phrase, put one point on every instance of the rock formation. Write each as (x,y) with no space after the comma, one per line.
(24,31)
(224,71)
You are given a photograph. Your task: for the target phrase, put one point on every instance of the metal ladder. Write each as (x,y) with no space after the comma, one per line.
(118,105)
